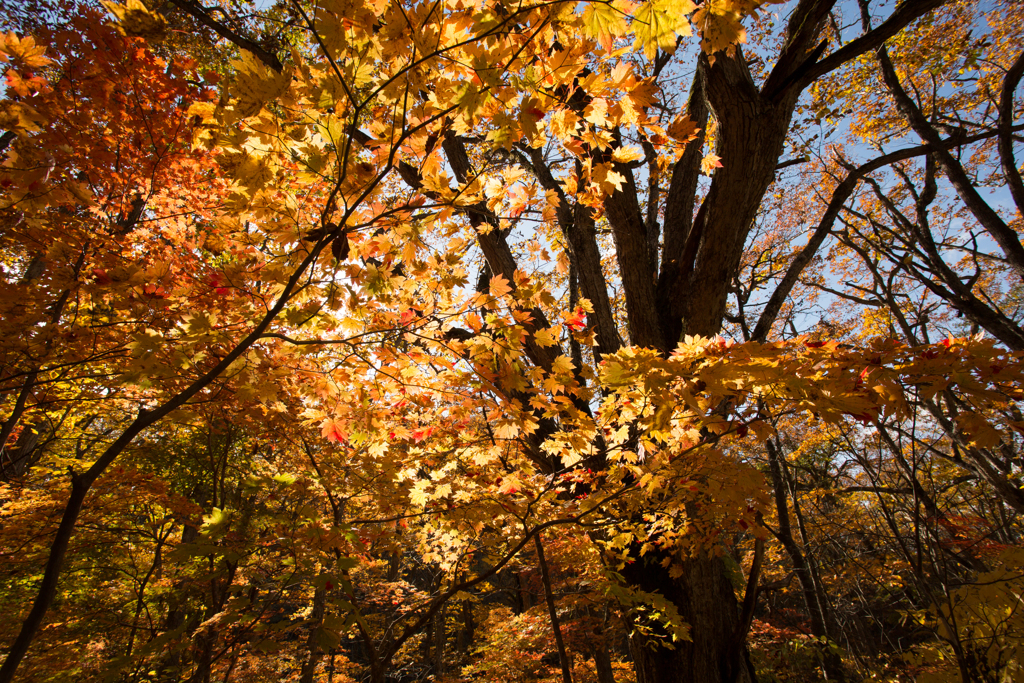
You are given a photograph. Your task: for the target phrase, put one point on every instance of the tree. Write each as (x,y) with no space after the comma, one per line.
(484,250)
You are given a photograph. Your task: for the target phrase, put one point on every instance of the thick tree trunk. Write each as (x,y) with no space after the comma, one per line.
(704,597)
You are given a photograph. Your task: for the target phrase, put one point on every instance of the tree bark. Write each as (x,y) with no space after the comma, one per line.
(316,653)
(704,597)
(603,664)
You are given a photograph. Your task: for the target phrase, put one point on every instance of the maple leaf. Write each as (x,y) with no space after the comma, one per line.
(577,321)
(509,485)
(544,338)
(506,430)
(719,24)
(217,284)
(23,50)
(255,83)
(606,21)
(644,93)
(607,179)
(334,430)
(562,366)
(709,163)
(418,493)
(499,286)
(978,429)
(564,124)
(682,129)
(135,19)
(20,118)
(657,23)
(624,155)
(422,433)
(101,277)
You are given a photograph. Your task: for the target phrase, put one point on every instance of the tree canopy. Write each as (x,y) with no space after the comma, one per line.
(459,340)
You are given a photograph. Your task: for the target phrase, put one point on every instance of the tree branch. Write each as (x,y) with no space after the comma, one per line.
(200,14)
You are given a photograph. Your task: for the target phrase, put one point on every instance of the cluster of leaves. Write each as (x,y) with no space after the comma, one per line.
(373,339)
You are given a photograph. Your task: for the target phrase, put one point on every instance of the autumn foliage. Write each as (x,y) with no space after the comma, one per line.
(485,341)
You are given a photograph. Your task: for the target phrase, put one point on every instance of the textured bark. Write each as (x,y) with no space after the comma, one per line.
(635,266)
(706,601)
(1009,163)
(577,224)
(751,137)
(312,642)
(679,205)
(440,640)
(603,664)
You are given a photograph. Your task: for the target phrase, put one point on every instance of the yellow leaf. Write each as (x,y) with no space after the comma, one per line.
(605,21)
(978,429)
(506,430)
(597,112)
(24,50)
(499,286)
(544,338)
(562,365)
(644,92)
(608,180)
(255,84)
(564,124)
(19,117)
(719,24)
(135,19)
(418,494)
(626,154)
(658,22)
(709,163)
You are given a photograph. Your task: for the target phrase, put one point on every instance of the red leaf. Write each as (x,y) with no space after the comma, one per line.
(577,322)
(333,432)
(422,433)
(217,284)
(101,276)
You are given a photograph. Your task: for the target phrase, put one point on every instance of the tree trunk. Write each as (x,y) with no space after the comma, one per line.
(704,597)
(440,639)
(315,651)
(563,657)
(603,664)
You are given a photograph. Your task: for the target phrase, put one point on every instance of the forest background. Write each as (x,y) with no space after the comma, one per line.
(384,340)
